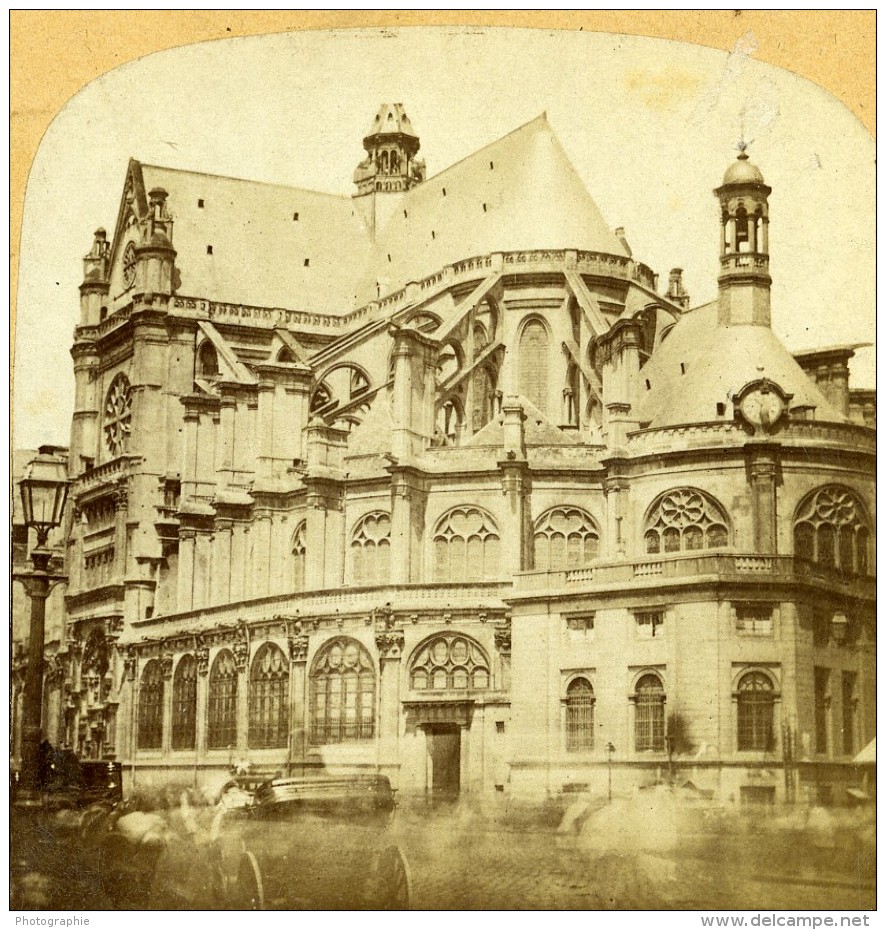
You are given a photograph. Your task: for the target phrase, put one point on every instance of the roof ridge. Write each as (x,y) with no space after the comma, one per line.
(230,177)
(542,117)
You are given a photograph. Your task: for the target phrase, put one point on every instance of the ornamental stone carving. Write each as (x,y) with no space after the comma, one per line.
(503,636)
(166,662)
(298,648)
(240,649)
(202,654)
(390,643)
(130,664)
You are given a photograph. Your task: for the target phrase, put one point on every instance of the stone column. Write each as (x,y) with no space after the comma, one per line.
(221,562)
(390,651)
(201,651)
(298,696)
(260,569)
(185,587)
(166,663)
(241,658)
(617,530)
(516,485)
(763,461)
(407,524)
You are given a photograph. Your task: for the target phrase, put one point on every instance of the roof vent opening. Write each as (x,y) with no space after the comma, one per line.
(721,410)
(209,250)
(295,217)
(200,203)
(307,262)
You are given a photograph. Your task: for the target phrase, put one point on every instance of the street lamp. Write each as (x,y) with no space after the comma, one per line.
(609,750)
(44,490)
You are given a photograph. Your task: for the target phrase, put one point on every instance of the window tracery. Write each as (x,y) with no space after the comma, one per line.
(269,698)
(831,528)
(150,707)
(449,662)
(184,704)
(756,710)
(371,549)
(565,537)
(342,693)
(118,415)
(686,519)
(466,546)
(222,702)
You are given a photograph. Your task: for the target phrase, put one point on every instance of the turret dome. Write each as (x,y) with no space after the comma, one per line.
(742,171)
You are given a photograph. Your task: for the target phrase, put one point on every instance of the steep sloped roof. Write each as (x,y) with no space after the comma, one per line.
(259,248)
(520,192)
(718,362)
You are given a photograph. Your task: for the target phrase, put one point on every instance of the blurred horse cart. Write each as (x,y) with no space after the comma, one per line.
(318,842)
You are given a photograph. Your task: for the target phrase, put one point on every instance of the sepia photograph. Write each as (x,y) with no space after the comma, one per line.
(443,469)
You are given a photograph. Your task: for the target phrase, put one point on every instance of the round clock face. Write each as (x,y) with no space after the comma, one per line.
(129,265)
(762,408)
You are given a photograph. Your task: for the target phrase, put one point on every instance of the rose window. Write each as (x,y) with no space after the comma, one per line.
(118,415)
(129,265)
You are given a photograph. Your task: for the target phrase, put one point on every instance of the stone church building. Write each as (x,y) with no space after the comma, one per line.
(438,481)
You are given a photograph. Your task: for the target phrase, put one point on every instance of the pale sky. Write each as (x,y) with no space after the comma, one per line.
(650,125)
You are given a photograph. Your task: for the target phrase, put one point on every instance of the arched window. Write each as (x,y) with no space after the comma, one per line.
(579,716)
(533,356)
(286,356)
(449,662)
(756,710)
(184,704)
(466,546)
(342,693)
(298,556)
(222,704)
(269,699)
(117,422)
(649,714)
(371,549)
(565,537)
(207,361)
(742,234)
(831,527)
(686,519)
(150,707)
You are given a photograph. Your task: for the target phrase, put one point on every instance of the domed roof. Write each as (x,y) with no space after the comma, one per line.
(743,172)
(391,118)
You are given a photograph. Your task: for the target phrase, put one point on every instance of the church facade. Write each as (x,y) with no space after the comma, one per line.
(435,481)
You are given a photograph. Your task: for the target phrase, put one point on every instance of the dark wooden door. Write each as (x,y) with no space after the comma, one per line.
(445,752)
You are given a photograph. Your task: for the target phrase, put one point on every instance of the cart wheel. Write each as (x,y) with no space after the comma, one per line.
(248,891)
(390,881)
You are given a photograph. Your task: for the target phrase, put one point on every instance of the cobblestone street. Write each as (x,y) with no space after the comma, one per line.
(459,859)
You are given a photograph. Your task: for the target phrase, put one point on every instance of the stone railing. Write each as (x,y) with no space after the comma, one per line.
(341,602)
(593,263)
(103,475)
(693,567)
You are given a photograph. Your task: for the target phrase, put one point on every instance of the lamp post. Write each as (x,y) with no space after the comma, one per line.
(44,491)
(609,750)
